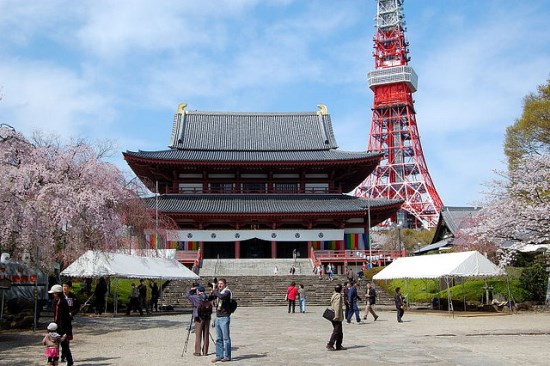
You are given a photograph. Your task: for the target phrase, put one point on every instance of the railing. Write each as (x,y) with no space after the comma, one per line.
(251,191)
(188,256)
(376,256)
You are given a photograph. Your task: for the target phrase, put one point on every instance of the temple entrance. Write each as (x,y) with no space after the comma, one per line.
(255,248)
(285,249)
(221,249)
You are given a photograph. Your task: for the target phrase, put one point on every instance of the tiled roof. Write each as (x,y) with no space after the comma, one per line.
(264,204)
(232,131)
(194,155)
(450,220)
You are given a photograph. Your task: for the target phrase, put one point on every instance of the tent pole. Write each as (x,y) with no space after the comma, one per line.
(463,294)
(115,299)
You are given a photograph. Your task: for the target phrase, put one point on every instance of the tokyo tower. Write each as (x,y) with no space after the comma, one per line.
(402,173)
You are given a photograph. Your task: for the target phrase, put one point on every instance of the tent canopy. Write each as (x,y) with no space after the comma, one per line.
(462,264)
(103,264)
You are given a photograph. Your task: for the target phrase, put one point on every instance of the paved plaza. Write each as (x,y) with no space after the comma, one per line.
(271,336)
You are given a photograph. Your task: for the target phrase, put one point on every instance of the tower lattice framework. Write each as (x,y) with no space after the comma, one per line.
(402,173)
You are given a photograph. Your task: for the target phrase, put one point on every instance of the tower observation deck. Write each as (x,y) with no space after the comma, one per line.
(402,173)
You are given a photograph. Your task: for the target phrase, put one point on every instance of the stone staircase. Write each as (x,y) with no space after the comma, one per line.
(211,268)
(254,290)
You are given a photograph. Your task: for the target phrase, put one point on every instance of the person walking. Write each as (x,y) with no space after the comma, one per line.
(99,294)
(399,304)
(74,308)
(337,336)
(51,340)
(201,316)
(370,297)
(353,307)
(62,318)
(302,294)
(291,295)
(330,270)
(222,294)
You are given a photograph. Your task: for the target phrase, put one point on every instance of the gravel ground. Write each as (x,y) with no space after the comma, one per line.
(271,336)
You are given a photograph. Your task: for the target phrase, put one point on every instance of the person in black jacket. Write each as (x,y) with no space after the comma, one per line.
(223,319)
(399,304)
(370,297)
(62,317)
(99,293)
(74,308)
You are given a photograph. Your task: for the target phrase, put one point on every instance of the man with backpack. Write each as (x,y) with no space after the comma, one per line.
(202,313)
(225,307)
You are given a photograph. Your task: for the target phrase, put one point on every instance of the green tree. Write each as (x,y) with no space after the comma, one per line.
(534,279)
(530,134)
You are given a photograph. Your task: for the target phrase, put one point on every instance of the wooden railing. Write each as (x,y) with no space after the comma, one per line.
(378,257)
(189,256)
(251,191)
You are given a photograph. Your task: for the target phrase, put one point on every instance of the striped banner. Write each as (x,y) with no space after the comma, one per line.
(183,245)
(356,241)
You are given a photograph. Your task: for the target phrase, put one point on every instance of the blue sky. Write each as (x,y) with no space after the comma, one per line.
(118,69)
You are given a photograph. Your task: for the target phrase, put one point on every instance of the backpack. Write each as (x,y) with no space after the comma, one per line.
(232,306)
(204,310)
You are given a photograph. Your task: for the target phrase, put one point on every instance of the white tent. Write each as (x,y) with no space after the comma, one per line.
(118,265)
(462,264)
(447,266)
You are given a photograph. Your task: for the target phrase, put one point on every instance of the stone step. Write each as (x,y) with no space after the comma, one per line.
(268,290)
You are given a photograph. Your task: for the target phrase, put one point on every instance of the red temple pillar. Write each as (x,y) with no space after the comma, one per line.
(273,249)
(237,249)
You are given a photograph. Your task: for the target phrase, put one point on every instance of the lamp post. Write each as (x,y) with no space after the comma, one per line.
(369,242)
(399,241)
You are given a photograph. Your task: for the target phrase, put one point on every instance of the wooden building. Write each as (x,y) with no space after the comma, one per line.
(259,185)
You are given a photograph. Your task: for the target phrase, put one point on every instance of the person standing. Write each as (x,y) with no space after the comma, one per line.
(353,307)
(196,296)
(51,340)
(302,294)
(370,297)
(143,296)
(337,336)
(74,308)
(330,272)
(99,293)
(291,295)
(223,296)
(399,304)
(155,294)
(133,303)
(62,318)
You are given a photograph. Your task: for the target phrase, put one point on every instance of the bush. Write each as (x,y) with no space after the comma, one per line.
(534,280)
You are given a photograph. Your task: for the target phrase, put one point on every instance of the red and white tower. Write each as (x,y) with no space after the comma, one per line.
(402,173)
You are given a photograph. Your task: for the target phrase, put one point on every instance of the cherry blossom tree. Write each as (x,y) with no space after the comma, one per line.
(518,206)
(59,200)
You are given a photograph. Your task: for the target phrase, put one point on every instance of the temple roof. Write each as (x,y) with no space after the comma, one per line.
(255,156)
(239,131)
(225,204)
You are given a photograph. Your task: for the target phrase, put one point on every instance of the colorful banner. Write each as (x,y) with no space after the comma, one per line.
(351,242)
(183,245)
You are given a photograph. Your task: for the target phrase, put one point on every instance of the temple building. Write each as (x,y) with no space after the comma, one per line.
(259,185)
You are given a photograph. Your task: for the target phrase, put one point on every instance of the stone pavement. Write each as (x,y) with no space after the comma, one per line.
(271,336)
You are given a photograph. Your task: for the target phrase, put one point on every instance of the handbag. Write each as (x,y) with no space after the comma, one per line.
(328,314)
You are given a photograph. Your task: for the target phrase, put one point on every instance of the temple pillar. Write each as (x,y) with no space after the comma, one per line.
(237,250)
(273,249)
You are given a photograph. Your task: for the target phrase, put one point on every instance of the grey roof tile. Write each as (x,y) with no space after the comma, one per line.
(200,155)
(252,203)
(232,131)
